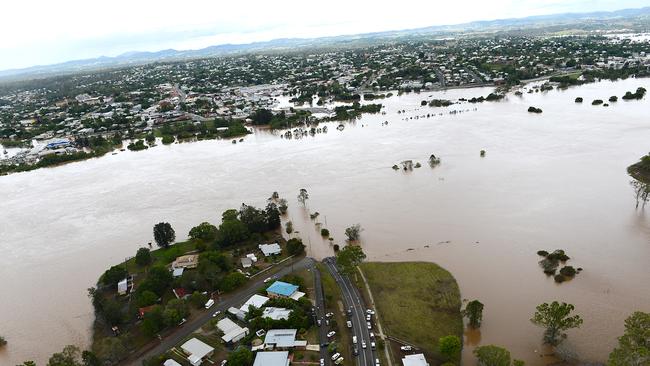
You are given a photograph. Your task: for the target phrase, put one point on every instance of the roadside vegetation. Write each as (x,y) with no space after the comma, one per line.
(419,303)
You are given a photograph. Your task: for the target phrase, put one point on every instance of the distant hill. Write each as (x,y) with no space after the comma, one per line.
(138,58)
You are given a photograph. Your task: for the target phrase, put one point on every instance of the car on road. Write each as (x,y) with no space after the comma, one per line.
(267,280)
(369,325)
(376,362)
(406,348)
(363,344)
(209,304)
(331,334)
(224,362)
(354,340)
(370,312)
(182,322)
(329,315)
(368,317)
(318,322)
(349,324)
(356,350)
(349,311)
(322,362)
(372,345)
(372,335)
(335,356)
(216,314)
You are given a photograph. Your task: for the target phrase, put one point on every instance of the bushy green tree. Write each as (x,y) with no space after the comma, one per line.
(232,232)
(450,347)
(634,345)
(163,234)
(555,318)
(474,313)
(353,233)
(295,246)
(70,356)
(242,356)
(492,356)
(204,231)
(143,257)
(349,258)
(113,275)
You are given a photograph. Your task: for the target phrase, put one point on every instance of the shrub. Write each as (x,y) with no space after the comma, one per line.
(549,265)
(568,271)
(542,253)
(613,98)
(336,247)
(482,153)
(324,232)
(559,254)
(450,346)
(559,278)
(579,100)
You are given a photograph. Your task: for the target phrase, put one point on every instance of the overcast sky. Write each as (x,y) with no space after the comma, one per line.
(40,32)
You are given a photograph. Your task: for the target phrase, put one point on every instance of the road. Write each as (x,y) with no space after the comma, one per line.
(353,299)
(320,313)
(236,299)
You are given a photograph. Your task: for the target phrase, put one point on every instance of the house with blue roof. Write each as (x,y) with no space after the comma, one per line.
(285,290)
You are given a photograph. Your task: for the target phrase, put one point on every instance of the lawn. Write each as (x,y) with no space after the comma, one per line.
(417,302)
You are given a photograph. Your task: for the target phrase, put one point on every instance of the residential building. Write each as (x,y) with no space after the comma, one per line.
(231,331)
(276,313)
(414,360)
(196,351)
(282,339)
(186,261)
(270,249)
(285,290)
(272,359)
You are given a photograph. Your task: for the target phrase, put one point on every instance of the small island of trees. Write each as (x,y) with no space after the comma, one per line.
(532,109)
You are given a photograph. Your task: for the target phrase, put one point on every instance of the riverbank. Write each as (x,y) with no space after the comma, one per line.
(417,302)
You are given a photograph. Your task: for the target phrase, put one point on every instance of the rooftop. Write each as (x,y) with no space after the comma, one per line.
(282,288)
(257,301)
(281,338)
(414,360)
(196,350)
(272,359)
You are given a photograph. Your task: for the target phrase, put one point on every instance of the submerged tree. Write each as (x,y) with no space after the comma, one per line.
(634,345)
(556,318)
(353,232)
(433,160)
(641,192)
(348,258)
(303,196)
(474,313)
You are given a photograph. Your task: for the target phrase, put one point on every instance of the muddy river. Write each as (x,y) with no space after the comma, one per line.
(550,180)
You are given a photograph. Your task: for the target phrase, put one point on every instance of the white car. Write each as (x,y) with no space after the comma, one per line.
(329,315)
(335,356)
(216,314)
(331,334)
(349,324)
(372,335)
(268,279)
(369,325)
(339,361)
(224,362)
(372,345)
(376,362)
(322,362)
(209,304)
(363,344)
(368,317)
(406,348)
(370,312)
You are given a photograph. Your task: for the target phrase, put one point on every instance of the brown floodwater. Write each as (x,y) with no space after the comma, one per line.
(554,180)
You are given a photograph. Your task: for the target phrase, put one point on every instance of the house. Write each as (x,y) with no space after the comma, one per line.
(186,261)
(252,257)
(196,351)
(246,262)
(270,249)
(256,301)
(276,313)
(414,360)
(124,286)
(283,339)
(231,331)
(272,359)
(171,362)
(285,290)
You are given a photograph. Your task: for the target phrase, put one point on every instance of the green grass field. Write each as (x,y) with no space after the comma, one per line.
(417,302)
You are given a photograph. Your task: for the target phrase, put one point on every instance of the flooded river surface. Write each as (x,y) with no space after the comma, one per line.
(548,181)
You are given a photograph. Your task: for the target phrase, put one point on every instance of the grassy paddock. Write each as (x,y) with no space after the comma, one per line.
(417,302)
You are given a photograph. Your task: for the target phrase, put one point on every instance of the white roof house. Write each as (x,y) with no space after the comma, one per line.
(270,249)
(276,313)
(123,287)
(282,338)
(252,257)
(272,359)
(231,331)
(171,362)
(246,262)
(196,351)
(414,360)
(256,301)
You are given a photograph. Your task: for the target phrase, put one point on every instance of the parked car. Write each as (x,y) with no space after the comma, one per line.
(322,362)
(376,362)
(372,335)
(406,348)
(331,334)
(266,280)
(209,304)
(349,324)
(339,361)
(370,312)
(372,345)
(182,322)
(369,325)
(224,362)
(216,313)
(368,317)
(318,322)
(329,315)
(335,356)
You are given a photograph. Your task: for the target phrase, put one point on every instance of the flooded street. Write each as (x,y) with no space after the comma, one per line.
(548,181)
